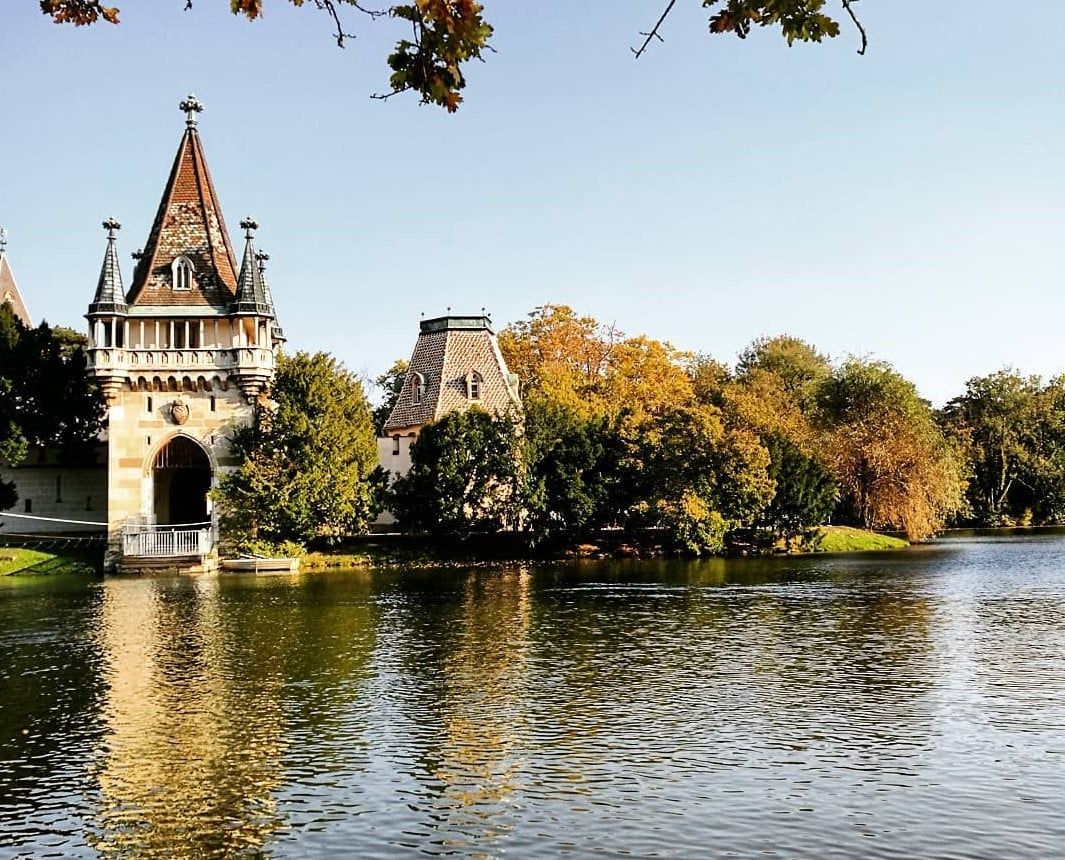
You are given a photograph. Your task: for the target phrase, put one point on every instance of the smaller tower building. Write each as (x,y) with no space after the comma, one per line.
(456,365)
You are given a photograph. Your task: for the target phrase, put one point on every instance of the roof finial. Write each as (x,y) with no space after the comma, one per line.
(262,258)
(138,254)
(249,226)
(112,227)
(449,310)
(191,106)
(3,239)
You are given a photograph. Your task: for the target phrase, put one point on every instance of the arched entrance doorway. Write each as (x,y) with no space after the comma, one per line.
(181,478)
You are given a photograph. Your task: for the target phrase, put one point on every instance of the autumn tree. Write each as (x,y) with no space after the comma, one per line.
(697,479)
(442,36)
(307,465)
(881,441)
(591,368)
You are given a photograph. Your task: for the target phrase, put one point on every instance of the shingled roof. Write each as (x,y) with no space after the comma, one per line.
(188,224)
(9,290)
(449,350)
(110,298)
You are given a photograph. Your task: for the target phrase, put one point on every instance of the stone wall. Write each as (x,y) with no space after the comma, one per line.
(48,488)
(140,423)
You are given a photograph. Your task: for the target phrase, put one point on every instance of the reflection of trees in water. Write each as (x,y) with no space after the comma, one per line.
(50,688)
(457,671)
(211,682)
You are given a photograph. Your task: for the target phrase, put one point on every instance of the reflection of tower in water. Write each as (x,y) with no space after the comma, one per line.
(470,713)
(191,756)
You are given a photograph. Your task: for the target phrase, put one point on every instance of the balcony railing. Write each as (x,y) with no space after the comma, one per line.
(157,358)
(147,541)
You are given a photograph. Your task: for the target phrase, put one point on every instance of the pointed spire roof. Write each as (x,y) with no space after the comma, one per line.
(188,225)
(9,292)
(251,289)
(278,332)
(110,297)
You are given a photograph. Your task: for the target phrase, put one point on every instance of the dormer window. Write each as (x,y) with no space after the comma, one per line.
(474,381)
(417,387)
(182,271)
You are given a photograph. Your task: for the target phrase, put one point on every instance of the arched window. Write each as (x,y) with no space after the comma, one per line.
(182,271)
(417,387)
(474,381)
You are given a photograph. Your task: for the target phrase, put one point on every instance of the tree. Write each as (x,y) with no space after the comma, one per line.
(575,480)
(46,396)
(464,477)
(698,479)
(881,442)
(804,492)
(446,34)
(389,383)
(591,368)
(1012,428)
(307,465)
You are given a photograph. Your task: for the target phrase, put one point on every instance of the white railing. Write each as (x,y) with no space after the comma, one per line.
(156,542)
(155,359)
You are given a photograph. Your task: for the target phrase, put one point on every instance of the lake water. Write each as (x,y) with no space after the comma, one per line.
(892,705)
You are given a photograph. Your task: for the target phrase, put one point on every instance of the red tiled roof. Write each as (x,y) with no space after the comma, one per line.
(189,223)
(9,291)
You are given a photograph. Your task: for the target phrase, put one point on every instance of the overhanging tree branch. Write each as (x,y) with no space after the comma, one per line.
(653,33)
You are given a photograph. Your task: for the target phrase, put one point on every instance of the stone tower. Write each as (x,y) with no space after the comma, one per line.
(9,293)
(182,359)
(456,364)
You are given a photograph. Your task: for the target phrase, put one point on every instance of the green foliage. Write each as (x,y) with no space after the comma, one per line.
(46,397)
(575,479)
(307,466)
(805,494)
(464,478)
(390,384)
(698,479)
(271,549)
(1012,429)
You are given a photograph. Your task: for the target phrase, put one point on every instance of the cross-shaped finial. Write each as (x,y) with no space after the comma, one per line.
(3,239)
(136,255)
(191,106)
(262,257)
(112,227)
(249,225)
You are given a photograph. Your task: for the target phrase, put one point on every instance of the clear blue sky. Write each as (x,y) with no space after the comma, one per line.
(909,205)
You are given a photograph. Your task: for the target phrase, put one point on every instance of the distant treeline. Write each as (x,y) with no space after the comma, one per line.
(631,432)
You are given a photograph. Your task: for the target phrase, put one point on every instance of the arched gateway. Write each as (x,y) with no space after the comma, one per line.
(181,479)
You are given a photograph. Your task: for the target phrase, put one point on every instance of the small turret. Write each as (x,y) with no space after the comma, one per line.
(276,331)
(110,298)
(251,291)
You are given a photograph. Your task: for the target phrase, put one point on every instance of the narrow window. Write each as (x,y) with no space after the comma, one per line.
(395,445)
(27,506)
(214,404)
(179,335)
(148,404)
(59,489)
(418,388)
(473,385)
(182,272)
(88,503)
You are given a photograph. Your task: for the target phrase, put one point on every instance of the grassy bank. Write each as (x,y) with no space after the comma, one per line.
(846,539)
(35,561)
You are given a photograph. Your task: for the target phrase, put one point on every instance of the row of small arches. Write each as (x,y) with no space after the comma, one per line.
(182,383)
